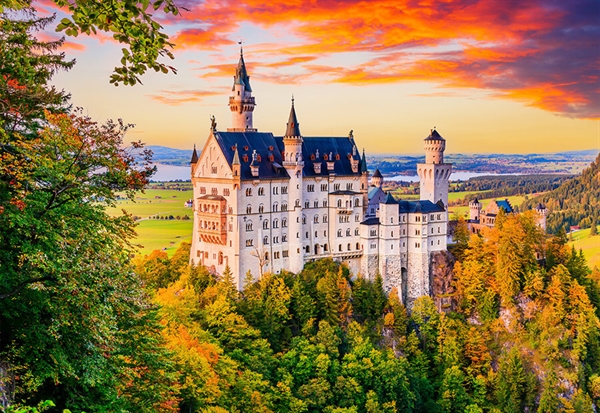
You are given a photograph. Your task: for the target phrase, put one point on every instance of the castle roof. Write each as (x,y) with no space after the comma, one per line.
(267,147)
(241,74)
(194,156)
(336,149)
(422,206)
(377,174)
(293,127)
(371,221)
(389,199)
(505,205)
(373,190)
(434,136)
(363,163)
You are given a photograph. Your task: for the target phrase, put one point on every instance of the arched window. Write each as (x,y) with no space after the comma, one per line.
(220,258)
(349,247)
(358,245)
(304,219)
(340,247)
(325,248)
(356,231)
(275,223)
(266,224)
(261,208)
(248,225)
(348,232)
(325,218)
(248,209)
(275,207)
(356,202)
(265,240)
(339,203)
(261,191)
(339,232)
(248,191)
(316,219)
(284,223)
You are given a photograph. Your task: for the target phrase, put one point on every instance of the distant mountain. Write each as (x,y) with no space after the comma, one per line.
(575,202)
(170,156)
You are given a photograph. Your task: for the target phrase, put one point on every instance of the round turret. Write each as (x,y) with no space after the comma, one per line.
(434,148)
(377,179)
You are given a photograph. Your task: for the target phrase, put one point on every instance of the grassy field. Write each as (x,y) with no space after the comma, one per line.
(157,234)
(589,245)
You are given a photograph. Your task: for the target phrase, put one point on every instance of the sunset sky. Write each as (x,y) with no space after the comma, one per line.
(495,76)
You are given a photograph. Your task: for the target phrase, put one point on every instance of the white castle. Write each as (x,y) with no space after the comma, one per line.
(265,203)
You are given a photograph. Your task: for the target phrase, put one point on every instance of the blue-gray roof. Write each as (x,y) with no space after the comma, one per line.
(270,147)
(389,199)
(265,145)
(371,221)
(422,206)
(341,146)
(505,205)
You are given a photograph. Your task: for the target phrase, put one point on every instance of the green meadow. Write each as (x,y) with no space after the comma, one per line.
(159,234)
(590,246)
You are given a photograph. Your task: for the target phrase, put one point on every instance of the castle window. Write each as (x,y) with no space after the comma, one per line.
(348,247)
(310,188)
(285,253)
(316,204)
(303,219)
(325,233)
(226,192)
(316,234)
(213,169)
(316,219)
(325,247)
(325,218)
(283,223)
(392,234)
(214,191)
(297,203)
(336,187)
(249,226)
(275,223)
(266,240)
(392,220)
(266,255)
(439,229)
(284,238)
(248,209)
(248,191)
(418,244)
(245,158)
(438,242)
(339,203)
(276,255)
(417,232)
(275,240)
(340,247)
(356,202)
(323,187)
(202,190)
(431,242)
(392,246)
(306,234)
(373,246)
(404,244)
(439,216)
(404,232)
(284,207)
(284,189)
(307,249)
(339,233)
(373,232)
(261,191)
(265,224)
(337,156)
(248,242)
(307,205)
(356,232)
(357,245)
(432,230)
(348,232)
(261,208)
(431,217)
(404,218)
(275,207)
(275,190)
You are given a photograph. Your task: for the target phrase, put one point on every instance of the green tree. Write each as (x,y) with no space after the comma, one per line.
(512,383)
(453,396)
(131,24)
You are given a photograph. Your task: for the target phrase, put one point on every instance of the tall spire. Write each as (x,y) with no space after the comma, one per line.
(293,127)
(241,74)
(194,156)
(363,163)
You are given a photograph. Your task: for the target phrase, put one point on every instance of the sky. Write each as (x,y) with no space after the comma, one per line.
(493,76)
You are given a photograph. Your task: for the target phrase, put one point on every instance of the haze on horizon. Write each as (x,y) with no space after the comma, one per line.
(492,76)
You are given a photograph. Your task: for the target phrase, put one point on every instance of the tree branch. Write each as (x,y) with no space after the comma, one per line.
(24,284)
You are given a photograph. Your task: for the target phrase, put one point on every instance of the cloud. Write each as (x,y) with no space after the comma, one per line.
(178,97)
(541,52)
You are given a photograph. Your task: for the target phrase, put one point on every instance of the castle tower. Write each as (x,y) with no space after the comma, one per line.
(377,179)
(241,103)
(294,163)
(542,213)
(364,182)
(474,210)
(434,173)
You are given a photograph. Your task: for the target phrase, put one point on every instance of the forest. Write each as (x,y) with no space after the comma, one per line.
(574,203)
(86,326)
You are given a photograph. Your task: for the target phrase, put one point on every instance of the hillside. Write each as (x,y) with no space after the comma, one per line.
(575,202)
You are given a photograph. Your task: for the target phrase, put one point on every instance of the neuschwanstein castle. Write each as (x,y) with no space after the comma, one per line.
(266,203)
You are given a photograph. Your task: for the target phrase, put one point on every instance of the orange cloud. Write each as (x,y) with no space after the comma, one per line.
(178,97)
(541,52)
